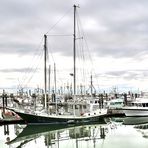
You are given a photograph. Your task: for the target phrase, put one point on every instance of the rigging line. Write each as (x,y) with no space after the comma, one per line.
(83,69)
(84,36)
(51,53)
(35,69)
(82,57)
(82,52)
(59,35)
(31,67)
(81,46)
(34,56)
(79,41)
(89,55)
(59,20)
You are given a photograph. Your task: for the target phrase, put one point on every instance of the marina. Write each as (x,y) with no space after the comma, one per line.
(63,93)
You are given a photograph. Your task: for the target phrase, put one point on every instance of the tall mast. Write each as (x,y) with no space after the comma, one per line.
(74,49)
(49,79)
(45,73)
(55,87)
(91,86)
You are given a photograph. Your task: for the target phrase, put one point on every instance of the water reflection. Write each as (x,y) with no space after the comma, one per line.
(140,123)
(55,136)
(107,135)
(143,129)
(6,129)
(135,120)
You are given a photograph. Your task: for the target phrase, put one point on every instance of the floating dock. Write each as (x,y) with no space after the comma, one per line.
(6,121)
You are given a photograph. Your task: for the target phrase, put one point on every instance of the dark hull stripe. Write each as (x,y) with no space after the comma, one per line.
(35,119)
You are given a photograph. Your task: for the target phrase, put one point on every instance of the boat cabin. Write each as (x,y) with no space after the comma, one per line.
(139,102)
(115,103)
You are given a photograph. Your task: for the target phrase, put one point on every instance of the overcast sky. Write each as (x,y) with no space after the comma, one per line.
(115,31)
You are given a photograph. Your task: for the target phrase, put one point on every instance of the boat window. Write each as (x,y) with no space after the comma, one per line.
(133,104)
(139,104)
(84,106)
(76,106)
(143,105)
(118,102)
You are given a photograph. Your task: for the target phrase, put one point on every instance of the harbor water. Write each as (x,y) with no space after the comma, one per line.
(111,135)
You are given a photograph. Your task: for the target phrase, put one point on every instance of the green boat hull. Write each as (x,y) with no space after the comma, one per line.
(37,119)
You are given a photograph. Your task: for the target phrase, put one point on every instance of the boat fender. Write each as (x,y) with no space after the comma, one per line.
(82,114)
(8,113)
(17,117)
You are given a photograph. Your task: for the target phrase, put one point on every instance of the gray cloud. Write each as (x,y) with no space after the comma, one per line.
(126,74)
(112,28)
(125,32)
(16,70)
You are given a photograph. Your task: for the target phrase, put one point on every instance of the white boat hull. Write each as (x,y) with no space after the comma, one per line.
(136,111)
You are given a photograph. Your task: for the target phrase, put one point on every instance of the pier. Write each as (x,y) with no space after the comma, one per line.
(5,122)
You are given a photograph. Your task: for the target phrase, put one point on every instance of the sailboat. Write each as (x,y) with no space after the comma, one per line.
(34,118)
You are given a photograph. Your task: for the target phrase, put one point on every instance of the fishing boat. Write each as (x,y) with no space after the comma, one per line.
(137,108)
(135,120)
(47,118)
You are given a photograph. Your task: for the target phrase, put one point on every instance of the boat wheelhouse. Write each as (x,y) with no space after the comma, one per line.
(138,107)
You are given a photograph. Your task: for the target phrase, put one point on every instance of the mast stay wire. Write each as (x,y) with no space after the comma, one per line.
(89,53)
(83,51)
(34,71)
(84,37)
(80,54)
(51,28)
(58,20)
(29,70)
(54,61)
